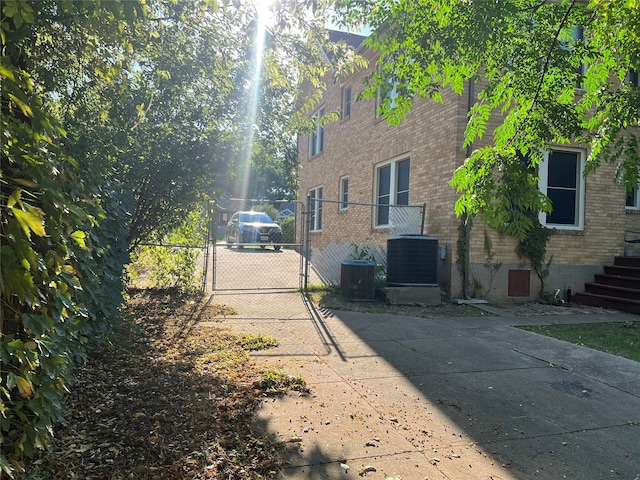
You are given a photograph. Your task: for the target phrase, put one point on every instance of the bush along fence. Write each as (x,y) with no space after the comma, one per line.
(63,233)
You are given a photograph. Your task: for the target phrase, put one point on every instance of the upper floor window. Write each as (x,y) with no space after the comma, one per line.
(346,102)
(581,70)
(316,140)
(315,209)
(344,193)
(573,42)
(386,93)
(633,199)
(562,181)
(392,188)
(634,78)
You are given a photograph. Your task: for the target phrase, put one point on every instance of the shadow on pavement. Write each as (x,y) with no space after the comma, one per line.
(460,398)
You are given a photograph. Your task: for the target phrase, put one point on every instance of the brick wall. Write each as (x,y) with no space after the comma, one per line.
(432,136)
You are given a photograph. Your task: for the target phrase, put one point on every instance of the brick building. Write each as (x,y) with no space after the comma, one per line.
(361,159)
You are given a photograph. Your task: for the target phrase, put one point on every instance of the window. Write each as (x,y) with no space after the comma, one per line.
(573,42)
(344,193)
(392,188)
(315,209)
(384,92)
(562,180)
(581,70)
(633,199)
(346,102)
(316,140)
(634,78)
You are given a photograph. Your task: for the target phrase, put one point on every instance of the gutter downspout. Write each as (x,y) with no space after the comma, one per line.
(466,217)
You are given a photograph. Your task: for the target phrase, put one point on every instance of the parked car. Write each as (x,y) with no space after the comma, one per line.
(253,227)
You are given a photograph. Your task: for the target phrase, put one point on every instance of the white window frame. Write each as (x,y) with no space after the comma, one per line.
(543,185)
(380,98)
(635,199)
(316,139)
(578,36)
(315,209)
(344,193)
(347,101)
(575,35)
(393,187)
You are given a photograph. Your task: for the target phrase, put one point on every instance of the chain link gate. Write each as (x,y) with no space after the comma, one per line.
(249,252)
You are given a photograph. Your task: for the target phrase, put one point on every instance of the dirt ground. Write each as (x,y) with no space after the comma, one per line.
(155,404)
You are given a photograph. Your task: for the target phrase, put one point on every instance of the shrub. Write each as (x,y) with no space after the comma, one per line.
(288,230)
(173,264)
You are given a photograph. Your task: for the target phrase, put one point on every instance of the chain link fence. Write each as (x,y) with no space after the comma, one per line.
(351,231)
(177,260)
(313,241)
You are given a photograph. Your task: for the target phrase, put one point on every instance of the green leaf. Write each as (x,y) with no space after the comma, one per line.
(38,325)
(30,221)
(14,197)
(17,19)
(11,380)
(25,387)
(79,236)
(10,9)
(23,106)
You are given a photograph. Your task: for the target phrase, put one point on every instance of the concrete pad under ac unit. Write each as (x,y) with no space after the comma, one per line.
(422,295)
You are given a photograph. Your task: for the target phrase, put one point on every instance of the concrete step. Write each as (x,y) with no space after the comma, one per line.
(622,270)
(605,301)
(612,291)
(617,280)
(627,261)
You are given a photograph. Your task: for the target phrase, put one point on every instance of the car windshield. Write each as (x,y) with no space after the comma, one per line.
(255,217)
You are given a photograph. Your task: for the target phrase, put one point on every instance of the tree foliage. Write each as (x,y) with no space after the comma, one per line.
(163,126)
(62,232)
(536,77)
(117,118)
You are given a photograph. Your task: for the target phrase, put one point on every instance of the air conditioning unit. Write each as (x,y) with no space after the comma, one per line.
(412,260)
(358,280)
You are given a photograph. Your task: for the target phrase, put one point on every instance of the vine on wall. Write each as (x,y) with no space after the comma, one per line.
(533,248)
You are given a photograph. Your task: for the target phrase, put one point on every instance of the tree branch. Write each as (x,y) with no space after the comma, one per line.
(550,52)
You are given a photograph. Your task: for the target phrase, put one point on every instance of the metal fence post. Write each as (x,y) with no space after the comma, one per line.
(212,243)
(307,253)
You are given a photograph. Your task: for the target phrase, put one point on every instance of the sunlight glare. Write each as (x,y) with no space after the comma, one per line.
(263,9)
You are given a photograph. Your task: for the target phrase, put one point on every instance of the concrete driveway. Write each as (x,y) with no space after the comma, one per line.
(445,398)
(253,268)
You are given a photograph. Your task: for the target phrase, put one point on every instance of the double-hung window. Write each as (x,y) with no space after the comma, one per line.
(346,102)
(572,41)
(581,70)
(562,181)
(392,188)
(315,209)
(386,93)
(316,140)
(633,199)
(344,193)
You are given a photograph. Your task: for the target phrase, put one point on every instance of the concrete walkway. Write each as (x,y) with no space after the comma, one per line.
(447,398)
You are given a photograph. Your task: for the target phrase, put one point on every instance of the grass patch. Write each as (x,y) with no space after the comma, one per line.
(256,341)
(276,381)
(621,339)
(330,297)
